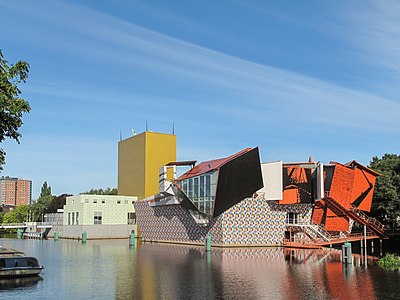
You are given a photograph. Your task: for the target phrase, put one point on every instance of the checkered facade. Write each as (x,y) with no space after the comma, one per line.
(250,222)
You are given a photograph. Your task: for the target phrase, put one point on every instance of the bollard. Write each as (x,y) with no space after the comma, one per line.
(208,242)
(19,233)
(132,239)
(84,236)
(56,235)
(347,257)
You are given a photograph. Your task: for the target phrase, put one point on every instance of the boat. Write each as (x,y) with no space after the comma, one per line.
(16,264)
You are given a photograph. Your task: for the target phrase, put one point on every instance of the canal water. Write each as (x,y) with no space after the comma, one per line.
(110,269)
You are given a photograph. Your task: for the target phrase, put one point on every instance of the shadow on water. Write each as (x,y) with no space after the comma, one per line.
(24,282)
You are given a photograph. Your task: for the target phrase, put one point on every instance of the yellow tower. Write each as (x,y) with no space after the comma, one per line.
(139,160)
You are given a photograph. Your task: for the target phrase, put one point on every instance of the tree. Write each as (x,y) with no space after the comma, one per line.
(386,202)
(17,215)
(107,191)
(39,208)
(46,190)
(11,105)
(57,202)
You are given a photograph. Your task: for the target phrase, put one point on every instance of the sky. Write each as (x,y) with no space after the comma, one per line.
(295,78)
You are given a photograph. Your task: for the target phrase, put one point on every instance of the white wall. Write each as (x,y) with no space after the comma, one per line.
(272,179)
(114,209)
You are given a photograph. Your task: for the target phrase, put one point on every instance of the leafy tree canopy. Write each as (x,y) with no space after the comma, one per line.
(46,190)
(17,215)
(107,191)
(58,202)
(11,105)
(386,203)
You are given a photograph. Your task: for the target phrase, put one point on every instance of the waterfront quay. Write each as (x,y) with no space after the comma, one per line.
(111,269)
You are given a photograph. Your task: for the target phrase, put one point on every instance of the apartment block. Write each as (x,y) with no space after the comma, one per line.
(15,191)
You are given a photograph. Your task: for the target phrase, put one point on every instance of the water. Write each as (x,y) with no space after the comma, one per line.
(109,269)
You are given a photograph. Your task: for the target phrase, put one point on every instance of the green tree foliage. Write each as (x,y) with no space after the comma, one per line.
(58,202)
(2,213)
(11,105)
(107,191)
(46,190)
(39,208)
(17,215)
(386,202)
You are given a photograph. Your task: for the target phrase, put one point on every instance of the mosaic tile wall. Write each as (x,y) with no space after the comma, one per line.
(250,222)
(173,223)
(253,222)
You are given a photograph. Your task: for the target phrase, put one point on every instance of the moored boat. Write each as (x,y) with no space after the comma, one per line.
(17,264)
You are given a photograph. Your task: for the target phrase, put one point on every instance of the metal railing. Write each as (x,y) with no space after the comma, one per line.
(310,224)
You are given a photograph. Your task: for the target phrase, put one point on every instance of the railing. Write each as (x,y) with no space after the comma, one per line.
(316,228)
(12,225)
(368,220)
(23,225)
(357,215)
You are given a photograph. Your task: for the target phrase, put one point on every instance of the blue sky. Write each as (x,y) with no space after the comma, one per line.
(296,78)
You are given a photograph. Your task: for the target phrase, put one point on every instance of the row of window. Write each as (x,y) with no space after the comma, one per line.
(201,191)
(104,201)
(97,218)
(75,218)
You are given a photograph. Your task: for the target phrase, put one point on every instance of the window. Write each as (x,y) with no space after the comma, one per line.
(94,200)
(126,201)
(69,218)
(119,202)
(292,218)
(103,201)
(86,200)
(201,191)
(131,218)
(97,217)
(73,218)
(77,215)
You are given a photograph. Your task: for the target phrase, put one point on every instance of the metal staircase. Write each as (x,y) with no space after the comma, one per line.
(357,215)
(313,230)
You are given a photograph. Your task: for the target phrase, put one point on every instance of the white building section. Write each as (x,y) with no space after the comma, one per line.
(99,209)
(272,179)
(320,181)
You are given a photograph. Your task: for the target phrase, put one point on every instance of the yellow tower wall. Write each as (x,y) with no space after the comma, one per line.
(139,160)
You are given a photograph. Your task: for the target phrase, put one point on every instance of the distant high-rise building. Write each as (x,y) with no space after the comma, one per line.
(15,191)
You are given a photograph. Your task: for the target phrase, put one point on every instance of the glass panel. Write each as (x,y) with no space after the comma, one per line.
(201,187)
(196,188)
(190,188)
(208,186)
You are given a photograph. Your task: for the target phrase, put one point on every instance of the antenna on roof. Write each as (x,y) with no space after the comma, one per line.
(173,128)
(120,135)
(147,125)
(310,159)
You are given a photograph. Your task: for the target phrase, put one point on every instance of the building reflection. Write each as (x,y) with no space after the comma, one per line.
(163,271)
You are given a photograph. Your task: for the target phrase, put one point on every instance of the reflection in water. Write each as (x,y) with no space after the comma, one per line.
(12,283)
(113,270)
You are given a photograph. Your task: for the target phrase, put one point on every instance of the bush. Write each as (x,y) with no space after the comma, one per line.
(390,261)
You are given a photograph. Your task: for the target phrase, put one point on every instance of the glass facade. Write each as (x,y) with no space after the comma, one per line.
(201,191)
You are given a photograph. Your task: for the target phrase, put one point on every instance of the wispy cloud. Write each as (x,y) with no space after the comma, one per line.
(112,73)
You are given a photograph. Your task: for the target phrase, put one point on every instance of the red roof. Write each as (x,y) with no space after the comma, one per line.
(211,165)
